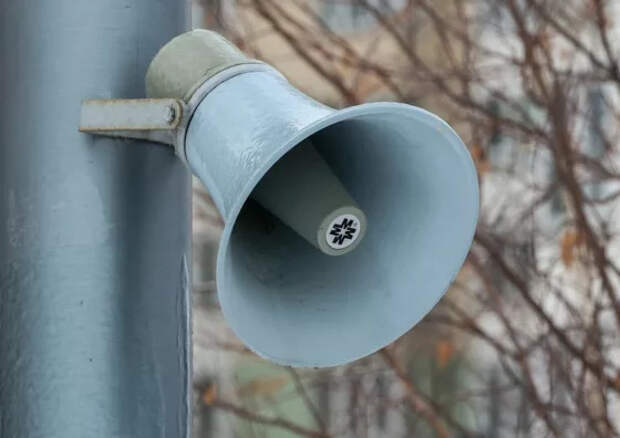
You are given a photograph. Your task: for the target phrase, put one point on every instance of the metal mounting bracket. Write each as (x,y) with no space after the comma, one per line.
(160,120)
(155,120)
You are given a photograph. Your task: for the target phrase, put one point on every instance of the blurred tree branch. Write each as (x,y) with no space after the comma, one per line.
(539,292)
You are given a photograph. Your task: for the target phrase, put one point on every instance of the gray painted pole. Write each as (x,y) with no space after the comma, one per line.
(94,232)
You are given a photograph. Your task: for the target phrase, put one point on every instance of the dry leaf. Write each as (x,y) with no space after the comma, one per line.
(209,395)
(263,386)
(571,240)
(483,165)
(443,352)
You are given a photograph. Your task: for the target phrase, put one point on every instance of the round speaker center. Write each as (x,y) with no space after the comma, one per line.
(343,231)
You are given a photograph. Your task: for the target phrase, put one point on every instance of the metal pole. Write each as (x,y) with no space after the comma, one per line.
(94,232)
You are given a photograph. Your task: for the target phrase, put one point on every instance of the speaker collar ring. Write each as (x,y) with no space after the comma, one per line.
(204,89)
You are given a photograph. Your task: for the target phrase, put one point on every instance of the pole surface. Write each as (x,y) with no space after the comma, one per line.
(94,232)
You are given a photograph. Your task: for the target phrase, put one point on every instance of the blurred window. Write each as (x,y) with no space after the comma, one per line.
(348,16)
(506,152)
(595,147)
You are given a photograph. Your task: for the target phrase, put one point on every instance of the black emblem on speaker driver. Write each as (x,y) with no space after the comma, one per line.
(343,231)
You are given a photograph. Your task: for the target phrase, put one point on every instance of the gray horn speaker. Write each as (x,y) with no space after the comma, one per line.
(343,227)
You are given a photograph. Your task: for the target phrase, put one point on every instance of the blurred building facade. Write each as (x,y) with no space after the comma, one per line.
(435,358)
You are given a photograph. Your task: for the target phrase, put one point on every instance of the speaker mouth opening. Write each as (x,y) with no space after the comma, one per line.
(414,179)
(302,191)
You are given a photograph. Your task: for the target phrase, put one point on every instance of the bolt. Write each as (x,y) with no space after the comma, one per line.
(172,114)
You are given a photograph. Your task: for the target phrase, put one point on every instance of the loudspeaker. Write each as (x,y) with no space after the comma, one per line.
(343,227)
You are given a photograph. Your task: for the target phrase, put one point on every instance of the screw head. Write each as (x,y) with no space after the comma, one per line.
(172,114)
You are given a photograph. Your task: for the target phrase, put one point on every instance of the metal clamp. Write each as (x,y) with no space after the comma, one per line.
(162,120)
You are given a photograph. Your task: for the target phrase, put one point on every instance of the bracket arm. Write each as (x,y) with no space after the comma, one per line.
(145,119)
